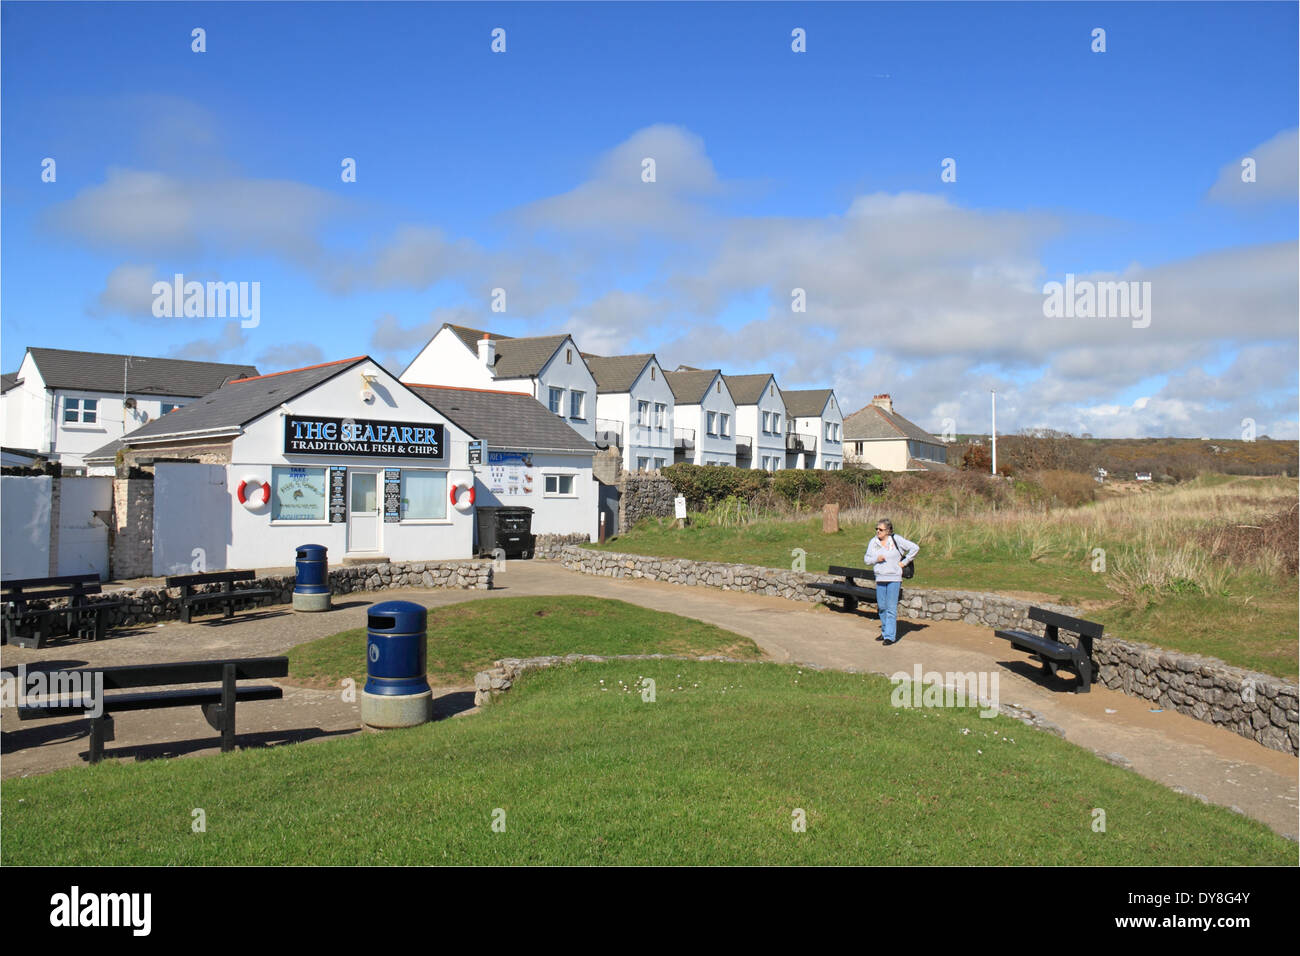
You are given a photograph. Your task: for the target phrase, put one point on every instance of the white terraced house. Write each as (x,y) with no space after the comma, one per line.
(815,411)
(62,404)
(548,367)
(760,414)
(634,409)
(878,437)
(704,432)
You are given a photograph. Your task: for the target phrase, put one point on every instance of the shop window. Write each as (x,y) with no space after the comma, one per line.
(424,495)
(297,494)
(559,485)
(82,410)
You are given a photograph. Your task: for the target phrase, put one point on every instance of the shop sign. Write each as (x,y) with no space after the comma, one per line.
(309,434)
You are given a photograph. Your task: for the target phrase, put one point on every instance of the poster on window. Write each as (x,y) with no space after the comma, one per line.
(392,494)
(299,494)
(338,494)
(510,473)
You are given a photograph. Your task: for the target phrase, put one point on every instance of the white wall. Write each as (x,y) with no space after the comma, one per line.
(256,542)
(25,526)
(27,420)
(567,370)
(191,518)
(575,514)
(446,361)
(83,538)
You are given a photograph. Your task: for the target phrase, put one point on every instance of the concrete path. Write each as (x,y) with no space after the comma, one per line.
(1167,747)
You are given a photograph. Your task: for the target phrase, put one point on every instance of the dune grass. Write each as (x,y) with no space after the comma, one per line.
(1143,564)
(580,769)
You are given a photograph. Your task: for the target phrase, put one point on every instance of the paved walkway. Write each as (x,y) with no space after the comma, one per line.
(1168,747)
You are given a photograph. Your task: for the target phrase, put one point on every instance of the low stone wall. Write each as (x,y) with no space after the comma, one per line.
(152,605)
(550,545)
(644,496)
(1254,705)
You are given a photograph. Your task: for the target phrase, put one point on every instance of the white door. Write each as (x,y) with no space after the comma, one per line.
(363,511)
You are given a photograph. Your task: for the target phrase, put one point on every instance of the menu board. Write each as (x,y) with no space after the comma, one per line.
(338,494)
(510,473)
(392,494)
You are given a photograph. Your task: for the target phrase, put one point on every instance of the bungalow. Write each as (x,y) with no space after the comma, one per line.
(877,437)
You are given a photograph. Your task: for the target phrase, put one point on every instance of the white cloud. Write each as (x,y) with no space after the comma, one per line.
(1276,163)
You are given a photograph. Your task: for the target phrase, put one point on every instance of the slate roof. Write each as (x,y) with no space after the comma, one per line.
(924,464)
(873,423)
(505,420)
(806,402)
(516,357)
(747,389)
(7,381)
(235,404)
(617,373)
(690,387)
(102,372)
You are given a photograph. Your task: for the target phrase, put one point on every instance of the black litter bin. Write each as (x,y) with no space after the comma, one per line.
(509,529)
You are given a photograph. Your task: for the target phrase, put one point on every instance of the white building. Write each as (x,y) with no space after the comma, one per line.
(63,404)
(760,417)
(878,437)
(815,412)
(346,456)
(704,431)
(548,367)
(634,409)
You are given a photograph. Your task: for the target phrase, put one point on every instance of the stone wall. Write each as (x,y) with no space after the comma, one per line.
(151,605)
(647,495)
(1257,706)
(131,541)
(550,545)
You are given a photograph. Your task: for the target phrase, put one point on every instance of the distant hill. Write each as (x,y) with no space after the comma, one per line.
(1179,458)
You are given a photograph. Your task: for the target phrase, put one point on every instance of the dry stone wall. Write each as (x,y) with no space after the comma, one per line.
(644,496)
(151,605)
(1254,705)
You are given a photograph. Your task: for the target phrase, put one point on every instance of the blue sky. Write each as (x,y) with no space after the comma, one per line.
(817,170)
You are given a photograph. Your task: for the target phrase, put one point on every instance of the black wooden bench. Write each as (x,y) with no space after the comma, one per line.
(228,596)
(1049,648)
(28,626)
(218,703)
(848,588)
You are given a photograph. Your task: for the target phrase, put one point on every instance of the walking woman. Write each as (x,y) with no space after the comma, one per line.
(887,554)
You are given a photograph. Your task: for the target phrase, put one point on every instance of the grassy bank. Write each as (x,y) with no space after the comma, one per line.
(587,772)
(465,638)
(1199,567)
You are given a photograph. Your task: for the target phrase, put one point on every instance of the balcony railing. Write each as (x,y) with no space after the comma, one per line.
(744,446)
(609,433)
(683,438)
(798,441)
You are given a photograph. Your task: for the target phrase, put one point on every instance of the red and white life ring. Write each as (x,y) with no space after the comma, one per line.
(253,493)
(462,504)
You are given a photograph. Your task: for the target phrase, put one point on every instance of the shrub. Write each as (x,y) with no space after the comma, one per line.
(798,486)
(1068,488)
(702,485)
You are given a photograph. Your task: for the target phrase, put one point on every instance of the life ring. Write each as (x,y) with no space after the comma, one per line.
(248,491)
(462,504)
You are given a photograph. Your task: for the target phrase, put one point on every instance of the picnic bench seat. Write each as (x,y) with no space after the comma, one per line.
(228,596)
(1053,652)
(218,703)
(848,588)
(28,626)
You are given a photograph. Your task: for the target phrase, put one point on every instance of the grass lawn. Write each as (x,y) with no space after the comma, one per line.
(1250,622)
(466,638)
(587,772)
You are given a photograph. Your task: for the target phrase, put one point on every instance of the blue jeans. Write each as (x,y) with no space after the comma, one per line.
(887,605)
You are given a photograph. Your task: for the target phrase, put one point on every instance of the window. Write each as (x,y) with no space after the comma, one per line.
(424,495)
(713,423)
(559,485)
(169,407)
(719,388)
(660,410)
(568,356)
(642,413)
(642,464)
(576,401)
(557,401)
(723,425)
(84,410)
(767,425)
(659,463)
(771,390)
(298,494)
(776,423)
(652,373)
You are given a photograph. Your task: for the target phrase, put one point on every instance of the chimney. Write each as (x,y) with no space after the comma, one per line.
(487,352)
(884,401)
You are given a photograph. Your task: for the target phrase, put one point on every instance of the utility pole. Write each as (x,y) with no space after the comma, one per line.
(994,393)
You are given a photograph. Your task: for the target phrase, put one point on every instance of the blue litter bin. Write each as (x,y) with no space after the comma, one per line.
(311,589)
(397,692)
